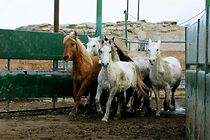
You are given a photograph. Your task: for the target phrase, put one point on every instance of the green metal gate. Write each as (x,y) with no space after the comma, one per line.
(33,84)
(198,79)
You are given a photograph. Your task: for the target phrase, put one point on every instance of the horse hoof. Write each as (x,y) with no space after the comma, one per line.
(157,115)
(104,120)
(142,113)
(117,117)
(100,112)
(72,116)
(172,108)
(166,106)
(129,109)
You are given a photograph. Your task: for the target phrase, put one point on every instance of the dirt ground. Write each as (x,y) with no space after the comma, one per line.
(56,125)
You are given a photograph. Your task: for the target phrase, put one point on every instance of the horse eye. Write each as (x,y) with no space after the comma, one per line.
(157,50)
(94,45)
(110,51)
(72,44)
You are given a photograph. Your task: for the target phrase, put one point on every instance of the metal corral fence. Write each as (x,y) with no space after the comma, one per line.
(24,84)
(198,79)
(142,44)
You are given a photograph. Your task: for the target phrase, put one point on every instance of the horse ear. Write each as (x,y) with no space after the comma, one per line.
(64,33)
(98,38)
(150,41)
(88,38)
(110,42)
(105,38)
(113,39)
(73,35)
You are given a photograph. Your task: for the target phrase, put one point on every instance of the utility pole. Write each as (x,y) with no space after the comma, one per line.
(56,15)
(127,9)
(138,9)
(98,18)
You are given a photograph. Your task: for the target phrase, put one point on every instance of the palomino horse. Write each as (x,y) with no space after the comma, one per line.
(85,68)
(93,45)
(115,77)
(165,73)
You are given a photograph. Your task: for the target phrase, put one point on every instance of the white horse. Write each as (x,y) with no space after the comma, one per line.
(165,73)
(93,45)
(141,62)
(115,77)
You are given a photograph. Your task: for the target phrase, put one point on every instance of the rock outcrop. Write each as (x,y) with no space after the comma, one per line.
(140,30)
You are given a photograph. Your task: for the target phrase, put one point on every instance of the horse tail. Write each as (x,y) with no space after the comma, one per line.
(140,84)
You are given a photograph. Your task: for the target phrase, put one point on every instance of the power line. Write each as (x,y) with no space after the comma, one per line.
(132,16)
(191,18)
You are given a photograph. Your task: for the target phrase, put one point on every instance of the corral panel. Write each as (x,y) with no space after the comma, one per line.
(209,40)
(207,130)
(202,40)
(32,45)
(191,45)
(200,110)
(29,84)
(191,93)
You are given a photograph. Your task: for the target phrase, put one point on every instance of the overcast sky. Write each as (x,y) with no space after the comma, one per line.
(16,13)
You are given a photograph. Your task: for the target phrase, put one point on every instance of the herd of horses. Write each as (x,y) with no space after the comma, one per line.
(104,69)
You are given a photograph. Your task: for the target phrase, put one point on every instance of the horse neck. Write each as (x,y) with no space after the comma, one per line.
(157,66)
(81,56)
(108,71)
(115,57)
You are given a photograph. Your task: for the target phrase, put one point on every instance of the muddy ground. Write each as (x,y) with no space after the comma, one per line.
(53,125)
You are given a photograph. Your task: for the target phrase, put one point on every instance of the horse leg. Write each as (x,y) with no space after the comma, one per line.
(120,100)
(88,104)
(146,106)
(131,99)
(75,89)
(108,104)
(146,100)
(167,98)
(157,100)
(83,88)
(173,107)
(165,106)
(118,114)
(91,98)
(97,99)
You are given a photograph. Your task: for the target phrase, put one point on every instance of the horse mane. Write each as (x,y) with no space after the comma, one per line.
(121,54)
(81,48)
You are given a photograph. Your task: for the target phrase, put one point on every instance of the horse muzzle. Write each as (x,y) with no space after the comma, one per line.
(105,65)
(152,61)
(66,58)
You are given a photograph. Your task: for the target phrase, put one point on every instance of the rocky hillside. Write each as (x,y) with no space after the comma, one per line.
(141,30)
